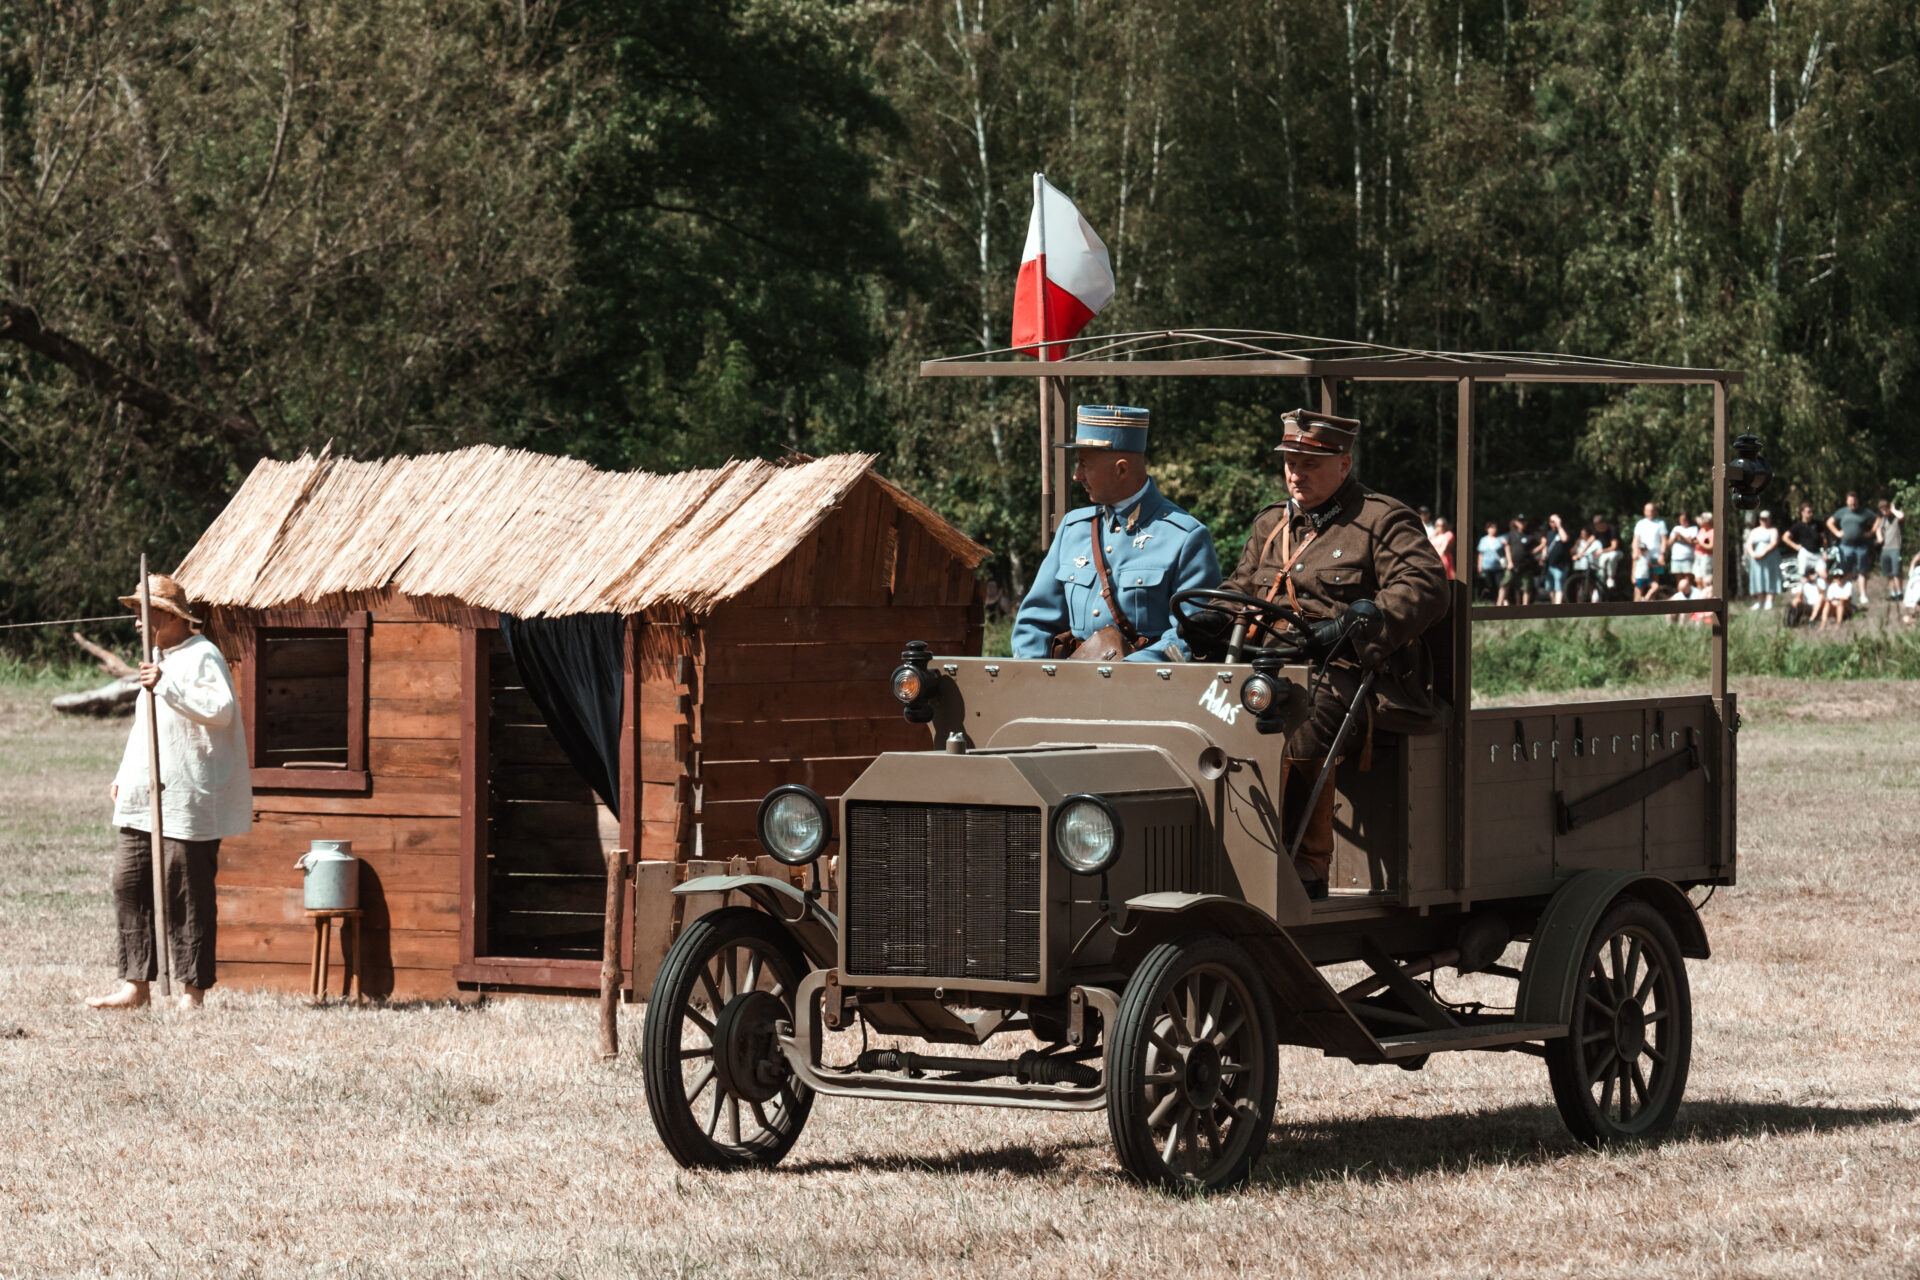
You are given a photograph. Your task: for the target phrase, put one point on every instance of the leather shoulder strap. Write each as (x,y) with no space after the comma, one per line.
(1120,620)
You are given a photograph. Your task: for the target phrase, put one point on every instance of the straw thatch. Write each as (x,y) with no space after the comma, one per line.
(521,533)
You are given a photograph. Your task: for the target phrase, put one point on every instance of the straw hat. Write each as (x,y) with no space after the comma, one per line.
(166,593)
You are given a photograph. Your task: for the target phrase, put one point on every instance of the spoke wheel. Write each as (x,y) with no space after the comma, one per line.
(1192,1066)
(1619,1072)
(718,1087)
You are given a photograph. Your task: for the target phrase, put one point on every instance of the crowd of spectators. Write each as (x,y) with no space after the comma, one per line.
(1820,570)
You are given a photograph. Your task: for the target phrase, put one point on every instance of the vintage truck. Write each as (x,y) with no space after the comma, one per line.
(1087,864)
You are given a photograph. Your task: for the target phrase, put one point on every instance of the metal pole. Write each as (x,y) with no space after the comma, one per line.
(1046,393)
(1464,543)
(160,930)
(1722,544)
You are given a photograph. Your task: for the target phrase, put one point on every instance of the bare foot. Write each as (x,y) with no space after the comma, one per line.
(190,996)
(131,995)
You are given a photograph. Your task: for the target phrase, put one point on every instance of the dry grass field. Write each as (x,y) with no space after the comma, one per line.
(262,1137)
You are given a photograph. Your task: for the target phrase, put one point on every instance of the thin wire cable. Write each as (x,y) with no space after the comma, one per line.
(61,622)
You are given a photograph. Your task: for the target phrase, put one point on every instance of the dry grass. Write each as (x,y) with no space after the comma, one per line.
(266,1138)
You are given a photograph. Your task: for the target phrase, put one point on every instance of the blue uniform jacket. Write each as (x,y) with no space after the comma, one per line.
(1152,554)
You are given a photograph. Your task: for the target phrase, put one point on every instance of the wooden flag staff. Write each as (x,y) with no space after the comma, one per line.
(153,790)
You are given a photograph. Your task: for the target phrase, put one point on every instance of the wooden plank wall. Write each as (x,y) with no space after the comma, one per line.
(793,672)
(406,831)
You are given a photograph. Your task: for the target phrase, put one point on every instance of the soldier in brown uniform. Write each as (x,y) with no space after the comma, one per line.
(1333,542)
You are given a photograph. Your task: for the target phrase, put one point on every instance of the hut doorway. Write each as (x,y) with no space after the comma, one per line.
(547,833)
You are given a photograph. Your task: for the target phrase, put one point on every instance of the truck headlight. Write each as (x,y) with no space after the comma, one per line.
(795,824)
(1086,834)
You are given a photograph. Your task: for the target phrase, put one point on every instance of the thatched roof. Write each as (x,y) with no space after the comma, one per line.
(522,533)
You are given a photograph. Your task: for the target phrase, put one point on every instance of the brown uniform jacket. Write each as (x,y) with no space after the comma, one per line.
(1372,547)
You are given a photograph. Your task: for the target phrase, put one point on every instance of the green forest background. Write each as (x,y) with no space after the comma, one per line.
(661,234)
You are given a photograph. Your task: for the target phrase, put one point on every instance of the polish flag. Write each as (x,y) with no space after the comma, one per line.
(1065,274)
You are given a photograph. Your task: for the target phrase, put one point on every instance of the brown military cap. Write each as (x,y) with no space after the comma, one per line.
(1320,433)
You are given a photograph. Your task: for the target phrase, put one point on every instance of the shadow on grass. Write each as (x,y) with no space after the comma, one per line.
(1392,1148)
(1399,1148)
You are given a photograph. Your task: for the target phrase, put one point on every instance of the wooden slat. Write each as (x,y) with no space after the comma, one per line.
(475,819)
(413,758)
(558,782)
(413,718)
(393,798)
(381,981)
(578,894)
(293,944)
(525,744)
(802,739)
(514,706)
(286,731)
(380,873)
(548,856)
(291,833)
(658,763)
(537,820)
(835,700)
(304,695)
(413,678)
(306,657)
(803,624)
(752,779)
(395,910)
(520,972)
(783,664)
(414,642)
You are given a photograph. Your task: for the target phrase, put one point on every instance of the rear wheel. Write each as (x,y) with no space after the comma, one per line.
(719,1089)
(1619,1072)
(1192,1066)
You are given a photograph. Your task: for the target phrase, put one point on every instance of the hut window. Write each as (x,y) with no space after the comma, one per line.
(304,677)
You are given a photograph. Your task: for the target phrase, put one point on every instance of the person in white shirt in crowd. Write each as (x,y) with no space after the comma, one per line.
(1809,599)
(206,795)
(1649,544)
(1680,542)
(1763,562)
(1842,602)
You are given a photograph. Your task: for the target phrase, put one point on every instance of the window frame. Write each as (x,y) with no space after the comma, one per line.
(356,623)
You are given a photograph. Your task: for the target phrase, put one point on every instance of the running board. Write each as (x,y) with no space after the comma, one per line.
(1487,1035)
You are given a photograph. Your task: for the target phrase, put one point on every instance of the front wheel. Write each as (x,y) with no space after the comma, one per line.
(1192,1066)
(718,1087)
(1620,1070)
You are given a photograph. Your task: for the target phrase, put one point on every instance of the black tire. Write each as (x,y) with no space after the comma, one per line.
(1619,1073)
(1184,1119)
(731,976)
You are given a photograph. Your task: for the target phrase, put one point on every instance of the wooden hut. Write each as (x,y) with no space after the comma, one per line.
(755,611)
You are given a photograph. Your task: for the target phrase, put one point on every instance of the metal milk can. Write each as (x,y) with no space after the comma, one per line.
(332,876)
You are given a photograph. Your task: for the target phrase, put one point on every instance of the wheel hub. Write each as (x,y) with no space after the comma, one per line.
(746,1046)
(1200,1076)
(1629,1029)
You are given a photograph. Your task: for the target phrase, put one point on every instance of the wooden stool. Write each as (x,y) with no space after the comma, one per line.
(349,953)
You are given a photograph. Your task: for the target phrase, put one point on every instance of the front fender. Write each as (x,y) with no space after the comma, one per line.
(814,927)
(1311,1012)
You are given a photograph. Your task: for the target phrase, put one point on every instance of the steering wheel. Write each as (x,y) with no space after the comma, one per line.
(1248,615)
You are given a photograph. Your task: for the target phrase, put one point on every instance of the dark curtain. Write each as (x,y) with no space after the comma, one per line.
(572,667)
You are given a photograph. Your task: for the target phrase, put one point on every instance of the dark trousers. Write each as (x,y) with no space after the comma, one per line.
(190,866)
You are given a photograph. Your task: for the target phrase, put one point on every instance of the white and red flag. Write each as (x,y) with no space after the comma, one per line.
(1065,274)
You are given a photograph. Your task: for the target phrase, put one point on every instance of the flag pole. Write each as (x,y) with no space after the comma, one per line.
(153,792)
(1046,395)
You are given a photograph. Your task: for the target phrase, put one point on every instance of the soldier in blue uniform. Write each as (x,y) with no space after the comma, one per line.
(1152,549)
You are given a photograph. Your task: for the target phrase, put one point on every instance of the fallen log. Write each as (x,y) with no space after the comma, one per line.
(112,699)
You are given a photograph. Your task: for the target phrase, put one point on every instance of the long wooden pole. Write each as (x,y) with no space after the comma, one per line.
(160,930)
(1046,391)
(610,967)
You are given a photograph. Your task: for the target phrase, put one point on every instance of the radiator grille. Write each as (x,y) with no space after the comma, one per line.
(943,891)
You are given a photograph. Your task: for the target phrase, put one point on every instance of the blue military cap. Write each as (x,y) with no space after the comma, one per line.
(1119,427)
